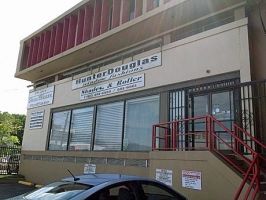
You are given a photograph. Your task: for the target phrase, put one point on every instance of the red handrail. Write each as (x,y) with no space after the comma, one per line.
(231,133)
(252,183)
(254,165)
(253,139)
(172,134)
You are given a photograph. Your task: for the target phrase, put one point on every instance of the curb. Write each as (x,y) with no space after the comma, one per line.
(30,184)
(38,186)
(26,183)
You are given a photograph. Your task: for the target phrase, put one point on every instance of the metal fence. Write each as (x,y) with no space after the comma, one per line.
(253,110)
(248,105)
(9,159)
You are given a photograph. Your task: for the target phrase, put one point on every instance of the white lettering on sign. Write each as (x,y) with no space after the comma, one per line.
(89,169)
(191,179)
(36,120)
(41,97)
(165,176)
(113,87)
(119,71)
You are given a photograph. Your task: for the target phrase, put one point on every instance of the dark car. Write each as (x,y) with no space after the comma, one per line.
(104,187)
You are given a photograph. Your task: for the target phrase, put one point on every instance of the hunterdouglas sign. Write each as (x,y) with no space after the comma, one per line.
(119,71)
(113,87)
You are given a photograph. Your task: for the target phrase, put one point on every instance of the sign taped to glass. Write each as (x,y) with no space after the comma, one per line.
(41,97)
(119,71)
(113,87)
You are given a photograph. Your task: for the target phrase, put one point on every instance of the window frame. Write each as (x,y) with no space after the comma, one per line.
(137,100)
(70,134)
(50,128)
(95,104)
(162,186)
(95,125)
(132,9)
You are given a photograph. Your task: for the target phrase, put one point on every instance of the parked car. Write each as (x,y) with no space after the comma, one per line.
(105,187)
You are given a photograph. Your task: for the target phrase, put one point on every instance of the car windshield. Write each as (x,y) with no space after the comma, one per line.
(57,190)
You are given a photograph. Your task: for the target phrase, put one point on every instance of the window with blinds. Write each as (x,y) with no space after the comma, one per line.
(81,129)
(109,126)
(59,131)
(140,115)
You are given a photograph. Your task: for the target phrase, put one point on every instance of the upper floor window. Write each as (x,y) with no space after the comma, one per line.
(132,9)
(110,17)
(156,3)
(151,4)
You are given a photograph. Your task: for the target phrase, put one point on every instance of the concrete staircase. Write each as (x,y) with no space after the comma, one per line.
(262,193)
(240,166)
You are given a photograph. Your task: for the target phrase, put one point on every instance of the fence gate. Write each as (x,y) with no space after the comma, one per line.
(9,160)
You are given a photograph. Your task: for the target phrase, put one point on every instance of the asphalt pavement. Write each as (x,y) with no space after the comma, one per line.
(10,187)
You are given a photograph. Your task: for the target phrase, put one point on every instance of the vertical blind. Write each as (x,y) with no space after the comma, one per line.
(59,131)
(81,129)
(141,114)
(109,125)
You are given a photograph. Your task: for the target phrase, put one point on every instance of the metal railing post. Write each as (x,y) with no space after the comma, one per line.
(206,132)
(153,138)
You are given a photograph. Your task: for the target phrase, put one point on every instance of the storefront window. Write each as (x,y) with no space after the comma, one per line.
(141,114)
(103,126)
(59,131)
(109,125)
(81,129)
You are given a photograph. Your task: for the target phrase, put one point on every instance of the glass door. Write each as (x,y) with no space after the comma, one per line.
(223,109)
(199,107)
(218,104)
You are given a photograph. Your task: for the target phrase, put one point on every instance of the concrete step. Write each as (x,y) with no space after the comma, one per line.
(238,161)
(261,196)
(263,186)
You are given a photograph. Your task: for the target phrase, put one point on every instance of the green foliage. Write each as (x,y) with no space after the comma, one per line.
(11,128)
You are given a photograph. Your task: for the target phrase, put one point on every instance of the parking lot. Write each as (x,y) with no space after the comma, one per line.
(9,187)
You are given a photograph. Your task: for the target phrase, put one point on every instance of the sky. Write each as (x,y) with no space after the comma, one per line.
(18,19)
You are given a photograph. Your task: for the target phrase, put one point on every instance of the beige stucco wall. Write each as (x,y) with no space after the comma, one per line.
(43,171)
(220,50)
(218,181)
(35,139)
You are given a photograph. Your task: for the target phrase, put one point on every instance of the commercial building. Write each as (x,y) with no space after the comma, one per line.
(107,76)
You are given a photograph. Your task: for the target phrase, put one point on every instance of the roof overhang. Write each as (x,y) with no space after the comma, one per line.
(147,27)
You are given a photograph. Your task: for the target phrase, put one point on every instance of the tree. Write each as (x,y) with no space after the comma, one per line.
(11,128)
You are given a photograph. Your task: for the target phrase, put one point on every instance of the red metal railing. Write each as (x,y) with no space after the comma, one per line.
(174,137)
(252,161)
(205,133)
(241,133)
(254,180)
